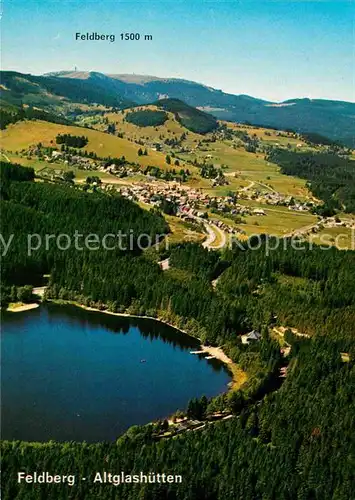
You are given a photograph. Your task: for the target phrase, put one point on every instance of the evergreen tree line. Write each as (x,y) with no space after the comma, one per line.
(147,118)
(29,208)
(73,141)
(20,114)
(191,118)
(331,176)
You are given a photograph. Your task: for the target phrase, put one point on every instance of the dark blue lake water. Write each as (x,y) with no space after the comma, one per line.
(70,374)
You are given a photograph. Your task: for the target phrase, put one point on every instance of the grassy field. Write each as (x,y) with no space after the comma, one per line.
(278,221)
(271,136)
(169,129)
(241,167)
(180,231)
(247,166)
(252,167)
(41,166)
(342,237)
(21,135)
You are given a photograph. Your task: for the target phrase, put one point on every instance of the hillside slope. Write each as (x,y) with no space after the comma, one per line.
(191,118)
(333,119)
(24,134)
(53,93)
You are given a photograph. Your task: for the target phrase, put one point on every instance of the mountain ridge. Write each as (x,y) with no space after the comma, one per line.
(329,118)
(130,77)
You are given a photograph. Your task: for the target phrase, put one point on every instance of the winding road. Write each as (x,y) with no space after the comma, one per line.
(212,232)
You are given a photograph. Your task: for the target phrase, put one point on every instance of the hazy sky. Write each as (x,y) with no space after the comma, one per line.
(270,49)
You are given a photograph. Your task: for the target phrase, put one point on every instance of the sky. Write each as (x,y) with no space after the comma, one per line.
(273,49)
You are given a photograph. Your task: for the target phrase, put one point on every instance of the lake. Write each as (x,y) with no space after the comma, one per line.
(72,374)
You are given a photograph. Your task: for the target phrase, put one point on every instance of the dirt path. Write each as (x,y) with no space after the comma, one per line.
(267,187)
(301,230)
(249,186)
(6,157)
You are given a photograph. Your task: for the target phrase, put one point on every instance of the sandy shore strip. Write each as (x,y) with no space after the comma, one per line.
(20,308)
(217,352)
(238,375)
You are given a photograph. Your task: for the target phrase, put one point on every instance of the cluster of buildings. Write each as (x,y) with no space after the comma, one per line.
(152,192)
(277,199)
(336,222)
(189,201)
(326,223)
(185,197)
(51,155)
(73,160)
(253,336)
(186,424)
(225,227)
(191,204)
(330,222)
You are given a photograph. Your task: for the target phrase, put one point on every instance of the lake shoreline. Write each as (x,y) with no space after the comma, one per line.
(237,374)
(139,372)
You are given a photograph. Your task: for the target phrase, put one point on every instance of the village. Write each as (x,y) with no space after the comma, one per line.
(194,205)
(169,183)
(188,199)
(191,204)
